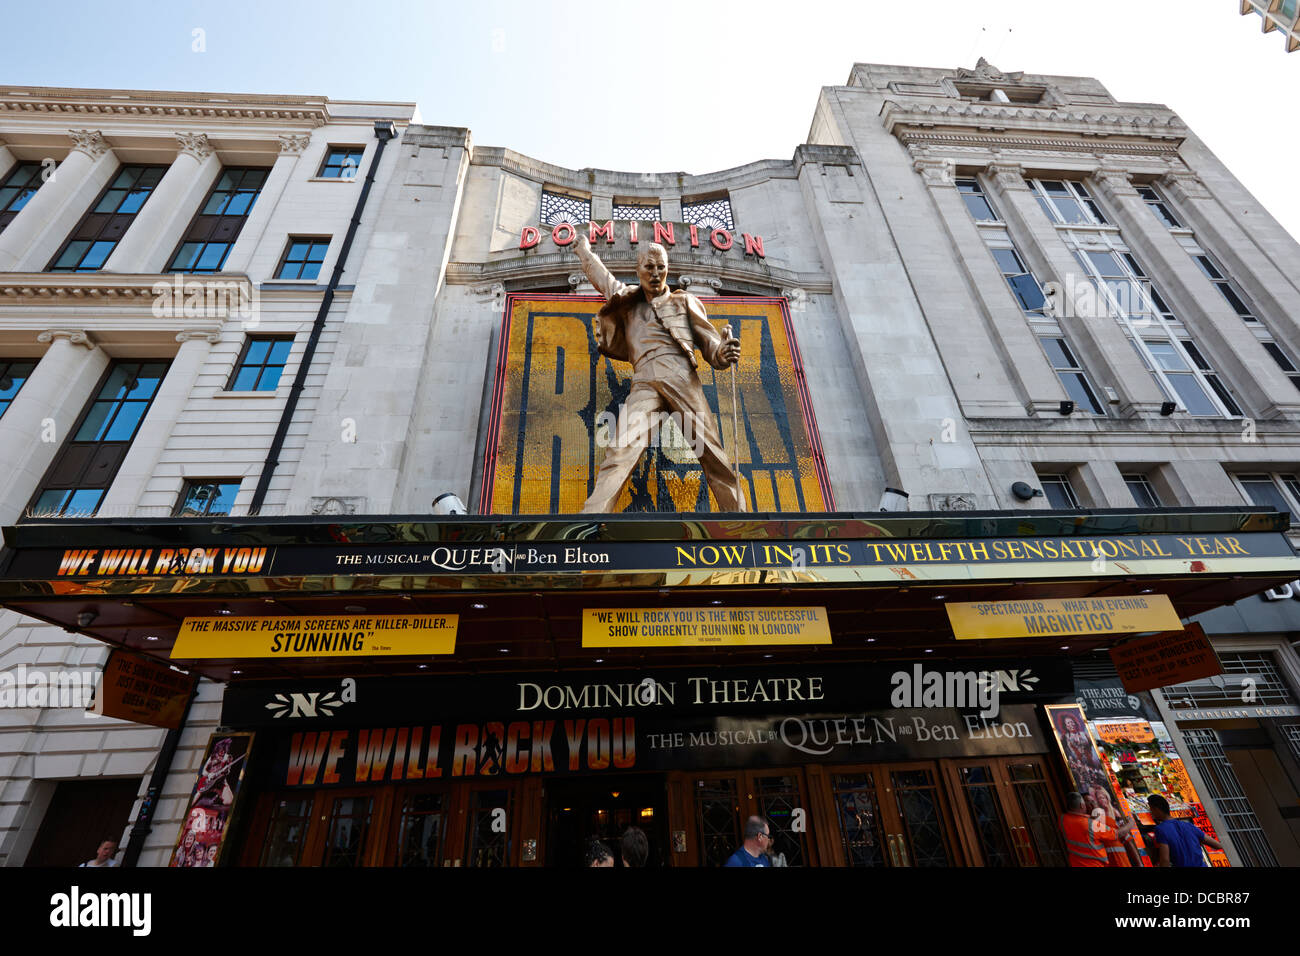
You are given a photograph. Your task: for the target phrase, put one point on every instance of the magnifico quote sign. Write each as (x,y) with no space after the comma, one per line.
(324,636)
(983,620)
(695,626)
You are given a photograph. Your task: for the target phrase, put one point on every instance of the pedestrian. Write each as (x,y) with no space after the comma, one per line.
(1084,837)
(758,840)
(598,855)
(1178,842)
(636,848)
(104,855)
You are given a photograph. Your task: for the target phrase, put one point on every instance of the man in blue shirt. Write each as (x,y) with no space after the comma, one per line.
(758,840)
(1178,841)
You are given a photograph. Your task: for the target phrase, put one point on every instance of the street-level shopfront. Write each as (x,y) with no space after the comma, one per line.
(473,692)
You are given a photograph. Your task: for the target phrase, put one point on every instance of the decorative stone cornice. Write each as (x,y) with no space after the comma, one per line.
(994,120)
(194,144)
(934,171)
(211,336)
(1007,176)
(90,142)
(74,337)
(102,288)
(238,107)
(294,143)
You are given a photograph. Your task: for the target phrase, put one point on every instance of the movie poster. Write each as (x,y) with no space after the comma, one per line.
(555,396)
(203,830)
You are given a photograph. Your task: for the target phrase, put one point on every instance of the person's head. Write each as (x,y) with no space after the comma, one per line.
(212,853)
(1074,802)
(1102,798)
(636,848)
(1070,724)
(758,835)
(652,269)
(598,855)
(1159,807)
(106,851)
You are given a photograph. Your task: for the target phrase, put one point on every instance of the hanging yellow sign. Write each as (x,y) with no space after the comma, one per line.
(704,626)
(984,620)
(316,636)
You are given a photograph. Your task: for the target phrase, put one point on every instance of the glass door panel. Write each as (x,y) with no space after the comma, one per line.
(980,796)
(857,811)
(487,823)
(917,799)
(717,818)
(287,833)
(1027,780)
(778,798)
(422,829)
(349,824)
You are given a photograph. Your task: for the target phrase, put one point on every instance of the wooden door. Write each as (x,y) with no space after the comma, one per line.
(721,802)
(915,814)
(1006,810)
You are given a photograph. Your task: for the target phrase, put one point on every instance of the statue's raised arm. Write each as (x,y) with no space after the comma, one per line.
(600,277)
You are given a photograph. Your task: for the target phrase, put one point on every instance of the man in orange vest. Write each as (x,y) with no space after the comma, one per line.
(1085,846)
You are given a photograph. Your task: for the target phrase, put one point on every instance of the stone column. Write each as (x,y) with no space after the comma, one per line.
(7,159)
(1109,357)
(41,416)
(161,221)
(996,365)
(141,462)
(1220,334)
(241,254)
(1218,232)
(89,154)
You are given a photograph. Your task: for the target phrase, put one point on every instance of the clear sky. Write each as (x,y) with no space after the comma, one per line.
(692,85)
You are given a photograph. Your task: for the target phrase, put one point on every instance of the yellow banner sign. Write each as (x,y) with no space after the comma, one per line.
(696,626)
(984,620)
(322,636)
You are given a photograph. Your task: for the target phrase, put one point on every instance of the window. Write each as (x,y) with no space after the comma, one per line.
(558,208)
(976,201)
(632,210)
(12,377)
(1023,285)
(1179,381)
(341,162)
(1211,377)
(201,499)
(708,213)
(18,187)
(214,230)
(84,468)
(1059,492)
(1221,282)
(1067,202)
(1158,206)
(1071,374)
(1284,362)
(100,230)
(303,257)
(1143,493)
(260,366)
(1267,490)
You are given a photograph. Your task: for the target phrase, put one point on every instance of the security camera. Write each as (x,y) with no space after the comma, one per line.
(448,504)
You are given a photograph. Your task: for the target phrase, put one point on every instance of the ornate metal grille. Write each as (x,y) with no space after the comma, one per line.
(640,212)
(717,816)
(986,810)
(1225,790)
(485,844)
(709,213)
(1268,687)
(558,208)
(918,805)
(778,801)
(1292,734)
(860,832)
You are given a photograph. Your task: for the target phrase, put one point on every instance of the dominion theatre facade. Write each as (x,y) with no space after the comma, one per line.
(1014,422)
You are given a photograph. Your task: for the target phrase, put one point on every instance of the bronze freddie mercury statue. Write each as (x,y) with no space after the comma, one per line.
(658,332)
